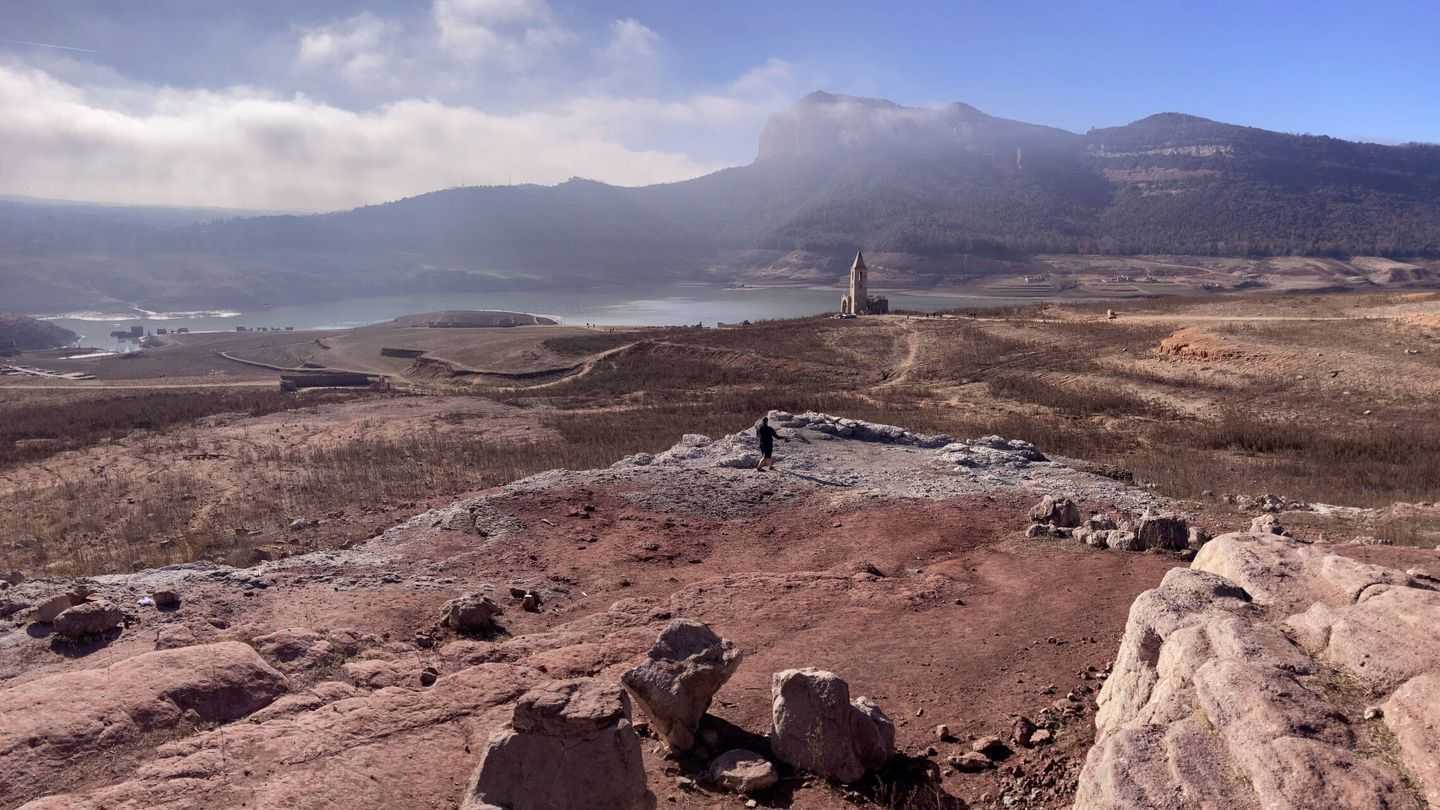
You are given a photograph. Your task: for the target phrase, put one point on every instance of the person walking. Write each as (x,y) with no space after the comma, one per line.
(767,436)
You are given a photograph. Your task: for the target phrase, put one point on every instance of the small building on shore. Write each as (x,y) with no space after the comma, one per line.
(857,300)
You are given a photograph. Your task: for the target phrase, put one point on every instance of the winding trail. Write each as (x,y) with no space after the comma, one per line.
(908,363)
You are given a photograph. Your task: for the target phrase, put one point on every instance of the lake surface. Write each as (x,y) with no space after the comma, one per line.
(681,304)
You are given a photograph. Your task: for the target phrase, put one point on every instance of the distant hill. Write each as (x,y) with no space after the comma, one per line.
(19,333)
(939,185)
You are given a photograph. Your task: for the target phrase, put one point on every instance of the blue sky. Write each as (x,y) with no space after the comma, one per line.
(324,104)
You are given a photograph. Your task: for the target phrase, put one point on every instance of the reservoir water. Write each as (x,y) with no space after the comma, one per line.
(681,304)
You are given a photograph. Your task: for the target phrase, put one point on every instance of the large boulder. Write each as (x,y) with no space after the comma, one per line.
(472,613)
(1413,715)
(1056,511)
(57,723)
(87,619)
(686,667)
(1223,690)
(818,728)
(569,744)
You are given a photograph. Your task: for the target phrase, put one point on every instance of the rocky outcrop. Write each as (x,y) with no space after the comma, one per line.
(686,667)
(818,728)
(857,429)
(991,451)
(52,723)
(1246,681)
(569,744)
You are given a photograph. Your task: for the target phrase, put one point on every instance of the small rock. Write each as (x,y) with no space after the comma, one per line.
(1056,511)
(424,641)
(971,762)
(1042,736)
(743,772)
(517,593)
(992,747)
(1374,713)
(166,599)
(530,602)
(428,676)
(1021,730)
(1267,524)
(942,732)
(472,613)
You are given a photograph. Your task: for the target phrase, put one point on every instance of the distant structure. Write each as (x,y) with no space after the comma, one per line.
(858,300)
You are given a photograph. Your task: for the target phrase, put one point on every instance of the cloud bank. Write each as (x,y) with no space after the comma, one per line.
(89,134)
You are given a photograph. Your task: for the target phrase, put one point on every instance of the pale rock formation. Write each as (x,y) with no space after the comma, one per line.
(686,667)
(743,772)
(818,728)
(54,723)
(991,451)
(1413,715)
(569,744)
(1217,699)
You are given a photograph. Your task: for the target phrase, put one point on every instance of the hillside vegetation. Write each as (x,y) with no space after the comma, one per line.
(939,185)
(18,333)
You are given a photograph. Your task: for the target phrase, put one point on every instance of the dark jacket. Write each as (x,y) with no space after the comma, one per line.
(767,436)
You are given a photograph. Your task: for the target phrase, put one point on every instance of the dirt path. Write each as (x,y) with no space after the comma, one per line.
(584,369)
(911,359)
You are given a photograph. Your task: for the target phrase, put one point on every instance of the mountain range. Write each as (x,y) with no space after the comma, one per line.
(930,187)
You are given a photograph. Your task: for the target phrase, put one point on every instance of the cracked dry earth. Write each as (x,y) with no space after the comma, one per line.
(899,564)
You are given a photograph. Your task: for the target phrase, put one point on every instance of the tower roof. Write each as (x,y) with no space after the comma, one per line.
(859,261)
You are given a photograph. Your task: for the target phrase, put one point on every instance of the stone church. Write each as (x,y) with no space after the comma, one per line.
(858,301)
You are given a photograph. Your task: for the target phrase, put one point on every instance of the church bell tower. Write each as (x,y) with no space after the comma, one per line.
(857,300)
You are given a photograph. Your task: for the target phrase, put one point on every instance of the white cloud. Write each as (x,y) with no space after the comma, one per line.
(358,48)
(511,35)
(631,41)
(245,148)
(556,104)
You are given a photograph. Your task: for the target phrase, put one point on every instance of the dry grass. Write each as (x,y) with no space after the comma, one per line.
(1067,387)
(33,429)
